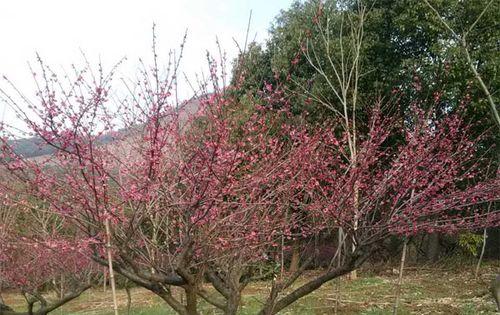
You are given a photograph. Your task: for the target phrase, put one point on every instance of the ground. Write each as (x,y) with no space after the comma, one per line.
(425,290)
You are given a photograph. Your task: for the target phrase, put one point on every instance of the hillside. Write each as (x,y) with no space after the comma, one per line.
(35,146)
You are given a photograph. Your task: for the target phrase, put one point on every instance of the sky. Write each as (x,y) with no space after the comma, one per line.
(108,30)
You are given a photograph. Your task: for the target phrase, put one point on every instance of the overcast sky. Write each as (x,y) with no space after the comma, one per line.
(112,29)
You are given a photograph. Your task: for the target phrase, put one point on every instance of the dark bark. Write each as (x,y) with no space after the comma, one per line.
(235,286)
(4,308)
(295,260)
(129,298)
(211,299)
(304,290)
(191,300)
(493,245)
(273,306)
(158,282)
(229,285)
(2,302)
(140,277)
(45,307)
(171,301)
(432,252)
(218,283)
(280,286)
(233,303)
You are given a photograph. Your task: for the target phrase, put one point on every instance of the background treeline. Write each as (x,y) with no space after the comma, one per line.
(407,57)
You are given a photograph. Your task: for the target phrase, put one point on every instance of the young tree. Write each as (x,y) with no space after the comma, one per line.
(191,193)
(418,185)
(35,260)
(204,190)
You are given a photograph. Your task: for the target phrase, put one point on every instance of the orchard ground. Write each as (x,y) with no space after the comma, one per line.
(445,288)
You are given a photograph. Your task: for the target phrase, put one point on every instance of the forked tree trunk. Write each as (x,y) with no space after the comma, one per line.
(274,304)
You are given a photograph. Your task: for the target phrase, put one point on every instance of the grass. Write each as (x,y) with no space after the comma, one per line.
(449,290)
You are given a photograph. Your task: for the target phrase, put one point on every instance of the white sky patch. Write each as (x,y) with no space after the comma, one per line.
(112,29)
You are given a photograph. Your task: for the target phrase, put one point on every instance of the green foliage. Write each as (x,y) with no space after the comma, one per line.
(254,68)
(470,242)
(403,42)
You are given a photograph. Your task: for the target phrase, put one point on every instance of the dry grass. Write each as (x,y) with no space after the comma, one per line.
(443,290)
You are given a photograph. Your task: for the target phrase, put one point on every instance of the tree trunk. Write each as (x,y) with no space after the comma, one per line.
(191,301)
(61,289)
(2,302)
(340,243)
(295,261)
(400,278)
(274,306)
(433,247)
(167,296)
(129,298)
(104,280)
(491,250)
(110,265)
(354,273)
(233,303)
(485,236)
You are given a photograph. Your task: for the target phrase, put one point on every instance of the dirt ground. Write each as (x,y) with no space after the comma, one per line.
(425,290)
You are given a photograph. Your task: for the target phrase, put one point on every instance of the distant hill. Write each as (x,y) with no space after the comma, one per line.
(34,147)
(31,147)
